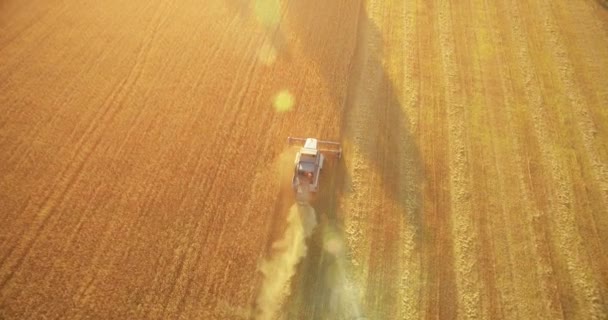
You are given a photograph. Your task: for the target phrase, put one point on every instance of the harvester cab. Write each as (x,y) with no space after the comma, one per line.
(308,164)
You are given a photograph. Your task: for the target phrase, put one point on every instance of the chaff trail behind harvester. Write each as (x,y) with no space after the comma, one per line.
(309,163)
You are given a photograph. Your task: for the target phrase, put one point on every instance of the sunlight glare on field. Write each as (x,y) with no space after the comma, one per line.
(283,101)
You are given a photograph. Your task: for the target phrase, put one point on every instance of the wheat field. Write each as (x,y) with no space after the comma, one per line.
(145,172)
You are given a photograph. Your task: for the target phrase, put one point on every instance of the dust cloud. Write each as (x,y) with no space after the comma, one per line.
(279,268)
(344,294)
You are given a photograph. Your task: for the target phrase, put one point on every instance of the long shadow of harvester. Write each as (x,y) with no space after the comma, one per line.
(375,129)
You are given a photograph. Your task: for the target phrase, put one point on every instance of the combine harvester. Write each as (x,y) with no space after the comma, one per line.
(308,165)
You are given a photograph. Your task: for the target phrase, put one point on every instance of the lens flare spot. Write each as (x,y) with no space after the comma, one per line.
(267,54)
(334,246)
(268,12)
(284,101)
